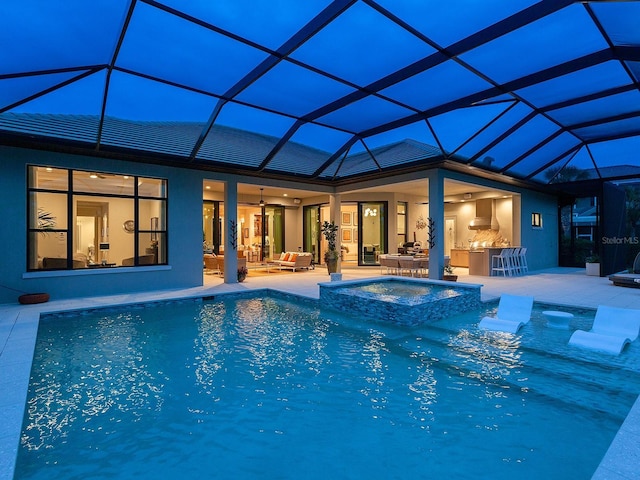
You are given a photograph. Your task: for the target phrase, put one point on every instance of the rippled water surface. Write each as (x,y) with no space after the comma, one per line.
(265,388)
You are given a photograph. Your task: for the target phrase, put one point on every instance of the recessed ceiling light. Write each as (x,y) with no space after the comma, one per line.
(208,187)
(126,177)
(93,175)
(285,194)
(49,169)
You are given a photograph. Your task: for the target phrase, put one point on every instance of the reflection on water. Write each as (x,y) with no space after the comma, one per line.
(86,374)
(235,386)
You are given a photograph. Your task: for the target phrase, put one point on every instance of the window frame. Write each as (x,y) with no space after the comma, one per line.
(72,194)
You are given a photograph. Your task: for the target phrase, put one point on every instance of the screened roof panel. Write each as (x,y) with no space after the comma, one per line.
(367,113)
(635,70)
(166,46)
(417,131)
(288,87)
(620,20)
(496,126)
(404,152)
(163,138)
(235,148)
(568,34)
(434,19)
(630,126)
(455,128)
(80,128)
(520,141)
(36,35)
(572,168)
(137,98)
(361,46)
(295,158)
(623,151)
(267,23)
(82,97)
(241,117)
(294,90)
(611,106)
(556,148)
(434,86)
(355,166)
(320,138)
(578,84)
(17,90)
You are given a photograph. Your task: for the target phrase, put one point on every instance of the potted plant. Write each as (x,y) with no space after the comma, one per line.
(330,231)
(242,274)
(448,273)
(592,264)
(46,221)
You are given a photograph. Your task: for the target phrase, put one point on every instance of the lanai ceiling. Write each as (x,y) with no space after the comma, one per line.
(329,91)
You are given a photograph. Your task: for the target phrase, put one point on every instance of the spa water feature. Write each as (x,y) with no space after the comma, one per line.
(405,301)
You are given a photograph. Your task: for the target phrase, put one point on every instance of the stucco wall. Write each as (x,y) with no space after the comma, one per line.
(184,241)
(541,243)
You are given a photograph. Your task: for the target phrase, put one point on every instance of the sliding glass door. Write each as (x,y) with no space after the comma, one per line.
(372,232)
(311,232)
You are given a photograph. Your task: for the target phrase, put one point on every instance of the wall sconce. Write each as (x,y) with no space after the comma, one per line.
(536,220)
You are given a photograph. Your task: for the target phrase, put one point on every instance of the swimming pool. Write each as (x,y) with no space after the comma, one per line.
(269,388)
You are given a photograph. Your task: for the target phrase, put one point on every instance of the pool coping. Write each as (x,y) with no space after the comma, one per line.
(19,328)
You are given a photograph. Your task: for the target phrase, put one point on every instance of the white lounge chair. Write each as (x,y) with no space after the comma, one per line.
(513,312)
(612,329)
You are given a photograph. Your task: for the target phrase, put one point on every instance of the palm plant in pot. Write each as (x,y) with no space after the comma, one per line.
(330,232)
(46,221)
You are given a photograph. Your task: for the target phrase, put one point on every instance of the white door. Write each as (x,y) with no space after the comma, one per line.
(449,234)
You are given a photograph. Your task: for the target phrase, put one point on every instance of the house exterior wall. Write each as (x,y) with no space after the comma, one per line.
(184,213)
(541,243)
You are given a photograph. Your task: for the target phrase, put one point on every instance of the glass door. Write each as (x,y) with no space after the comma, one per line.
(273,233)
(211,227)
(372,232)
(311,231)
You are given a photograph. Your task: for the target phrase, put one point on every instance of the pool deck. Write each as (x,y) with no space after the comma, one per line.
(562,286)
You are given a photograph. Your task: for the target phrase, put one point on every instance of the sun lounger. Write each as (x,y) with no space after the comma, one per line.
(513,312)
(612,329)
(628,279)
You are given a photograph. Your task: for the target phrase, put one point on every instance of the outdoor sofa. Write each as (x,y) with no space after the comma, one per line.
(294,260)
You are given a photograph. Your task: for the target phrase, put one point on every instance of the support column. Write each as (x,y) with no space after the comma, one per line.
(231,232)
(436,213)
(334,216)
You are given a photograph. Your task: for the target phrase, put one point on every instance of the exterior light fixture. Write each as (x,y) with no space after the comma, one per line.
(261,200)
(536,220)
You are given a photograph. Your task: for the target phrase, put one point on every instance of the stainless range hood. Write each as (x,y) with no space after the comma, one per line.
(480,223)
(485,216)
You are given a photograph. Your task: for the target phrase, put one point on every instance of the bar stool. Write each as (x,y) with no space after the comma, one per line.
(503,262)
(515,261)
(522,258)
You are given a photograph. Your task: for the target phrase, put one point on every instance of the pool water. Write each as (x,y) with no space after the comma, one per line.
(403,291)
(267,388)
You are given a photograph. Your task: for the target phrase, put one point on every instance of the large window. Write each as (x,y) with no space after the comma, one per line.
(88,219)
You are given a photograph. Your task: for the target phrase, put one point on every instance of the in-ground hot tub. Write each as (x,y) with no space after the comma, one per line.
(407,301)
